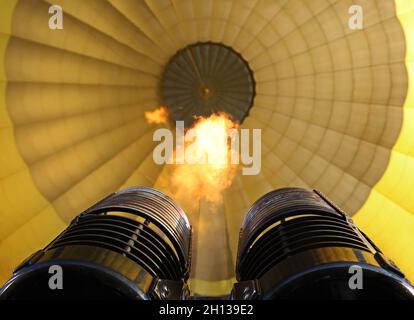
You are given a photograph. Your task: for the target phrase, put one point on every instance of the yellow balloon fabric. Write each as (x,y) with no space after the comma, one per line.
(335,105)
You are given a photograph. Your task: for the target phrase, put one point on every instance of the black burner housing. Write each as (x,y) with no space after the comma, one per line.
(134,244)
(296,244)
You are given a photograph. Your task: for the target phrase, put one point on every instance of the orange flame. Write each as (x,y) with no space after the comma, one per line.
(207,170)
(157,116)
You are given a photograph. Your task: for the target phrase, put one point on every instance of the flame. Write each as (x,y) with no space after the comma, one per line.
(157,116)
(207,170)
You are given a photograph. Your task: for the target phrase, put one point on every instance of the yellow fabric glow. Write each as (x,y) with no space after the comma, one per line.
(73,103)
